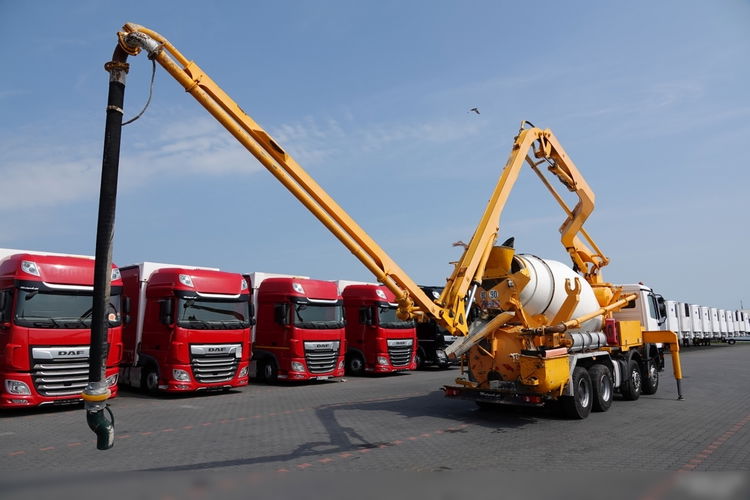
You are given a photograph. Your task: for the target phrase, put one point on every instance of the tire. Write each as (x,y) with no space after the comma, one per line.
(578,406)
(650,378)
(420,360)
(601,387)
(355,365)
(632,381)
(269,371)
(150,379)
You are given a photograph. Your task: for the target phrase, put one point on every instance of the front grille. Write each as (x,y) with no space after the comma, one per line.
(400,355)
(67,377)
(320,361)
(209,369)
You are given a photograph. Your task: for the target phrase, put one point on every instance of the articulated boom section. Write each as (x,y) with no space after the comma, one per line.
(413,302)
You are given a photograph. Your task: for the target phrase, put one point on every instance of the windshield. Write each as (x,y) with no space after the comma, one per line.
(203,314)
(44,309)
(318,316)
(387,318)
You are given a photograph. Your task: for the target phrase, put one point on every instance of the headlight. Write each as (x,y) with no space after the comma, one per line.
(297,366)
(341,365)
(115,274)
(243,372)
(112,380)
(382,360)
(181,375)
(17,387)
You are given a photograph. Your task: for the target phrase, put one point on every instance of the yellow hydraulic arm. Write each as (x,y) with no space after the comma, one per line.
(450,310)
(412,300)
(545,149)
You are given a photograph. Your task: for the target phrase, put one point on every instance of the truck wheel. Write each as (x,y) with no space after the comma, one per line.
(631,386)
(270,371)
(420,360)
(150,379)
(578,406)
(355,365)
(650,378)
(601,387)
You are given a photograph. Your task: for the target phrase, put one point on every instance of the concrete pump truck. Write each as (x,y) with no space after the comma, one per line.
(545,332)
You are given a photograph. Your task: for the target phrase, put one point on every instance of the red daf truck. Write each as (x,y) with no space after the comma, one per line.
(377,341)
(190,328)
(45,327)
(299,332)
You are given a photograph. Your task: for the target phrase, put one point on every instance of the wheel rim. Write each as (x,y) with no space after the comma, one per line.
(583,393)
(635,376)
(653,375)
(605,389)
(355,364)
(268,370)
(152,381)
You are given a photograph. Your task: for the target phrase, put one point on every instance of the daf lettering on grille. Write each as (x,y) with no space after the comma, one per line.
(70,353)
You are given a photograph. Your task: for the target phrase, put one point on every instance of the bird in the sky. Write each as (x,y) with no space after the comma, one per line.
(476,110)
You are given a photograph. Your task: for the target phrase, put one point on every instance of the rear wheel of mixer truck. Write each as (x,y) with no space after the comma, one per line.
(578,406)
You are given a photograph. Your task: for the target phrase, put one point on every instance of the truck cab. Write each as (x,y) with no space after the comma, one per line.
(649,308)
(191,330)
(377,340)
(299,333)
(432,339)
(45,327)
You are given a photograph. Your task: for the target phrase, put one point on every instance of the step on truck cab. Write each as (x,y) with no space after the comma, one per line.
(299,330)
(45,327)
(190,329)
(377,340)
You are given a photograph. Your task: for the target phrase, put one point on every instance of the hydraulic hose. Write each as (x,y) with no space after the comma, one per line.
(96,393)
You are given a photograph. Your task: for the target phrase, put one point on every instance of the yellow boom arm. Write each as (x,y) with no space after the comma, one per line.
(450,310)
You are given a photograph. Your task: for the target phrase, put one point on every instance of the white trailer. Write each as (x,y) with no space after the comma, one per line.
(723,325)
(708,329)
(738,323)
(673,322)
(697,323)
(730,326)
(685,321)
(742,317)
(715,323)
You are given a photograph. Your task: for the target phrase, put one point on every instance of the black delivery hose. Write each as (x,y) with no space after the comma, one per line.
(96,393)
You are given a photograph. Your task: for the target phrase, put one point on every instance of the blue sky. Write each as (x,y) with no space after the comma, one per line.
(649,99)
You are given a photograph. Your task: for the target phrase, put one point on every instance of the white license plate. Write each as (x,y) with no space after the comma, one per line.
(324,377)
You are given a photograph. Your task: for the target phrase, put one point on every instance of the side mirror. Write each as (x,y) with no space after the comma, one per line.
(4,303)
(165,311)
(662,307)
(251,310)
(365,316)
(126,309)
(281,313)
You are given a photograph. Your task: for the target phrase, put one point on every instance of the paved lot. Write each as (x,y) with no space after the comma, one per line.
(397,423)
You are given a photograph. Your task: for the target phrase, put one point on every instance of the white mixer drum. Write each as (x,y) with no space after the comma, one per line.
(545,292)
